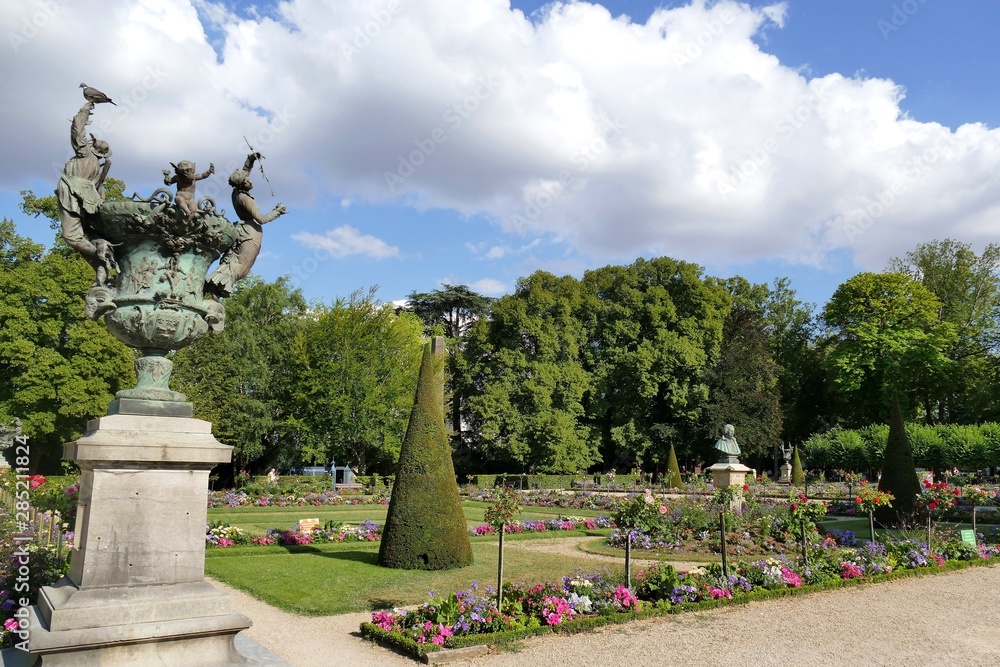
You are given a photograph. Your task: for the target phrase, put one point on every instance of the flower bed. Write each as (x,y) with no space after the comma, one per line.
(541,526)
(584,601)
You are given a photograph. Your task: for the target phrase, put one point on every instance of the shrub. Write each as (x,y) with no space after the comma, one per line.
(425,526)
(899,475)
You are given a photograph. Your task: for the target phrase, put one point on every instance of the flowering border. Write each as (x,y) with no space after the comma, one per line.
(574,626)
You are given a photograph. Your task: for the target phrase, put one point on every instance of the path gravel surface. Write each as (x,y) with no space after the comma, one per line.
(947,619)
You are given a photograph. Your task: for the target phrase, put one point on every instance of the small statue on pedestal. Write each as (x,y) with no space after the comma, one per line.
(728,446)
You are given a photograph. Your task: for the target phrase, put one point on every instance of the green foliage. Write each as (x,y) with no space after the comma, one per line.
(886,336)
(798,476)
(657,583)
(674,480)
(653,330)
(505,507)
(641,512)
(743,385)
(899,474)
(454,308)
(57,368)
(802,382)
(525,382)
(451,311)
(968,287)
(240,379)
(355,368)
(425,527)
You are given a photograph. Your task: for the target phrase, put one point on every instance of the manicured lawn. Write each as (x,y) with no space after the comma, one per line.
(337,578)
(859,525)
(601,548)
(258,519)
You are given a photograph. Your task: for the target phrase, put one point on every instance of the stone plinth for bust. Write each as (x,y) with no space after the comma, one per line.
(786,473)
(725,474)
(136,593)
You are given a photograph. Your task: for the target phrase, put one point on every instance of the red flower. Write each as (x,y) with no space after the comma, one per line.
(958,491)
(934,504)
(794,507)
(858,500)
(746,487)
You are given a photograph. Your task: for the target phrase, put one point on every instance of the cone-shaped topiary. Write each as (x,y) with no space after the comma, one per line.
(798,476)
(674,480)
(425,527)
(899,474)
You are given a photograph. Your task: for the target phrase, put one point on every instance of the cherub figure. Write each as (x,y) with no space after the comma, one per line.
(80,194)
(239,259)
(185,178)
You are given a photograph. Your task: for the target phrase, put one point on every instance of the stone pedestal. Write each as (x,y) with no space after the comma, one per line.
(135,593)
(786,473)
(730,474)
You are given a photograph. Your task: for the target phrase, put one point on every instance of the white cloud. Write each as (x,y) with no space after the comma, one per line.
(346,240)
(678,136)
(489,287)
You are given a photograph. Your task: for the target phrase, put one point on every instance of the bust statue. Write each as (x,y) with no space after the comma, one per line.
(728,446)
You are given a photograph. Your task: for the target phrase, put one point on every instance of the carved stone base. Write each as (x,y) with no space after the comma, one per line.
(151,625)
(730,474)
(135,593)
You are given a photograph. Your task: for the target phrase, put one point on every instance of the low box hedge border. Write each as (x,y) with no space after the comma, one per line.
(418,651)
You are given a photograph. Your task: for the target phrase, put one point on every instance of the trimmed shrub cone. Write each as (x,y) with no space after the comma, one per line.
(425,528)
(899,474)
(674,480)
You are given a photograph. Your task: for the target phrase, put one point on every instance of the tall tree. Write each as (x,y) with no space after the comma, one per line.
(356,369)
(654,329)
(795,347)
(885,336)
(968,287)
(454,308)
(240,379)
(57,368)
(743,385)
(451,311)
(525,381)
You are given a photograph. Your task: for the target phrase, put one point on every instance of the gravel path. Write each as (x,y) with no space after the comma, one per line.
(944,619)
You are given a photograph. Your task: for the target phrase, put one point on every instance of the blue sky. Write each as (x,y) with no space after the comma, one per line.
(660,133)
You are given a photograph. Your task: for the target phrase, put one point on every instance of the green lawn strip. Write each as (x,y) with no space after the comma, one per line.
(651,611)
(600,547)
(259,519)
(344,577)
(859,525)
(277,549)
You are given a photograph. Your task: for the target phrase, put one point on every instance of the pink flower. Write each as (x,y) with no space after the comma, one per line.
(851,571)
(791,578)
(10,625)
(625,598)
(720,593)
(663,509)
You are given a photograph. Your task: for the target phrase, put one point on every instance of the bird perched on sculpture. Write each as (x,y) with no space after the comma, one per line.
(94,95)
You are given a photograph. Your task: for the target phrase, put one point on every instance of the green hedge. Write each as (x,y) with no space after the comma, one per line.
(398,642)
(938,446)
(550,481)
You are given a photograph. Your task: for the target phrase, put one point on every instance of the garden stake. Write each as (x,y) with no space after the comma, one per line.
(805,556)
(500,573)
(928,534)
(973,519)
(871,525)
(725,557)
(628,560)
